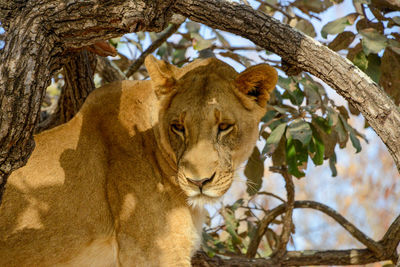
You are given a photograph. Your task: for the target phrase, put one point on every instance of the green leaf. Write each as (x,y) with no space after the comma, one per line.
(319,149)
(178,55)
(192,26)
(273,139)
(306,27)
(333,117)
(338,25)
(231,225)
(328,137)
(374,67)
(292,90)
(292,159)
(314,99)
(254,172)
(361,60)
(206,53)
(332,164)
(141,35)
(354,140)
(323,124)
(279,155)
(343,135)
(373,41)
(199,43)
(390,73)
(280,109)
(342,41)
(396,19)
(343,111)
(269,116)
(316,6)
(300,130)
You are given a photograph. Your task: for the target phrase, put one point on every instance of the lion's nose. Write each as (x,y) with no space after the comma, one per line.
(202,182)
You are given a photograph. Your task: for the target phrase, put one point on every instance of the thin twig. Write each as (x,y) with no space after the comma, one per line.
(156,44)
(269,194)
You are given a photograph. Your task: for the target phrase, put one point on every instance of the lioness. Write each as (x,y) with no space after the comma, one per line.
(124,182)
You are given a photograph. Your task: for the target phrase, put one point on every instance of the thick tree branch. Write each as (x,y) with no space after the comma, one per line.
(156,44)
(34,49)
(392,237)
(293,258)
(304,52)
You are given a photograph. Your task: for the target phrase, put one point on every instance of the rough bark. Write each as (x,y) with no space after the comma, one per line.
(292,258)
(38,34)
(78,76)
(307,54)
(26,67)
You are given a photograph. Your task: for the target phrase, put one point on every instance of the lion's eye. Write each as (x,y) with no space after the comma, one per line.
(222,127)
(178,128)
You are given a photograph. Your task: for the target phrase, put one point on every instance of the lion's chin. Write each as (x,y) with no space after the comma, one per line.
(200,200)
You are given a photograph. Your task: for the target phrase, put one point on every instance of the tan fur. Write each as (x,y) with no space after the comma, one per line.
(109,187)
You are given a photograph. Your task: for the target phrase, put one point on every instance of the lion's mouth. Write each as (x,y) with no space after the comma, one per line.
(200,199)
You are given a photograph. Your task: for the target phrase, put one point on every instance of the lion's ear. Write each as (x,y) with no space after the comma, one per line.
(162,75)
(257,82)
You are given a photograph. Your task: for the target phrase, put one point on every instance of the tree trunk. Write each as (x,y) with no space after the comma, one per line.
(38,36)
(78,76)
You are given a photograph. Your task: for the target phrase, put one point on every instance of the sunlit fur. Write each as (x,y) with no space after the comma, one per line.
(110,188)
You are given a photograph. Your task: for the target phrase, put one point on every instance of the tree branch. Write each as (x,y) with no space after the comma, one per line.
(392,237)
(307,54)
(348,226)
(156,44)
(288,220)
(293,258)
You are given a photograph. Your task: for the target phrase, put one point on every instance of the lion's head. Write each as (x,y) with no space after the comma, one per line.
(208,120)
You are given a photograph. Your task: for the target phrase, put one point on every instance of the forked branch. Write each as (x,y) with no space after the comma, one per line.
(156,44)
(374,246)
(375,251)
